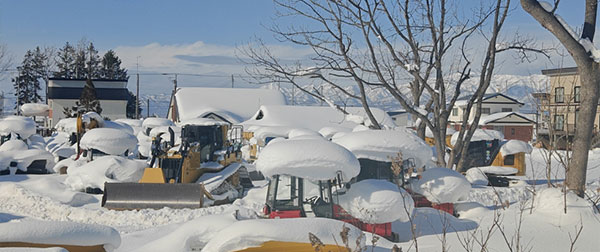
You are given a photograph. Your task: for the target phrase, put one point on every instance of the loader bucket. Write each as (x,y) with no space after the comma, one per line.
(130,196)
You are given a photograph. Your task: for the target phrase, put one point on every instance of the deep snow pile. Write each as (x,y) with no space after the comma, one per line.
(383,145)
(59,232)
(512,147)
(152,122)
(35,109)
(94,174)
(135,124)
(377,201)
(307,158)
(24,158)
(24,126)
(253,233)
(13,145)
(442,185)
(66,125)
(109,141)
(479,135)
(475,176)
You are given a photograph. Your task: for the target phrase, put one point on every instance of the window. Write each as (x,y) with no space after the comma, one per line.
(559,122)
(559,95)
(576,94)
(485,111)
(576,116)
(455,112)
(509,160)
(512,131)
(506,109)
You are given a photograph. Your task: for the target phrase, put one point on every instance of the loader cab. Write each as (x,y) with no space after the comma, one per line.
(285,197)
(373,169)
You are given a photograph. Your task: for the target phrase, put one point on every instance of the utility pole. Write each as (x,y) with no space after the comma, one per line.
(137,90)
(232,81)
(148,108)
(293,98)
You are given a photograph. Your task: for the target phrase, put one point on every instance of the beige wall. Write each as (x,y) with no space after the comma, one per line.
(567,108)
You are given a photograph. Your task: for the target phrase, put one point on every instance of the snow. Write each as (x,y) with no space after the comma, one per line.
(109,141)
(234,104)
(24,126)
(201,121)
(411,67)
(328,132)
(442,185)
(13,145)
(119,126)
(66,125)
(135,124)
(480,135)
(547,6)
(382,145)
(89,116)
(315,117)
(377,201)
(515,146)
(152,122)
(253,233)
(59,232)
(94,174)
(307,158)
(476,176)
(429,133)
(498,170)
(35,109)
(24,158)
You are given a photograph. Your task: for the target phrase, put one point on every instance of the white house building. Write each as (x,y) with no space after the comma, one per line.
(62,93)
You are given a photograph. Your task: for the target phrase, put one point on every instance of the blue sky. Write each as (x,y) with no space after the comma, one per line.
(188,36)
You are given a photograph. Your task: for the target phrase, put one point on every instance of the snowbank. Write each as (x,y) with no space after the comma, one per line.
(480,135)
(382,145)
(307,158)
(429,133)
(66,125)
(295,133)
(498,170)
(442,185)
(13,145)
(119,126)
(328,132)
(35,109)
(515,146)
(24,126)
(253,233)
(103,169)
(135,124)
(377,201)
(476,177)
(109,141)
(59,232)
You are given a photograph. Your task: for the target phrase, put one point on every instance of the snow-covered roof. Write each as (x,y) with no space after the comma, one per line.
(307,158)
(462,101)
(24,126)
(382,145)
(515,146)
(35,109)
(497,116)
(429,133)
(315,117)
(109,141)
(377,201)
(234,104)
(480,135)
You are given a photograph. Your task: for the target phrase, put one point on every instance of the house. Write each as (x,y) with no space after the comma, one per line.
(231,105)
(498,112)
(314,118)
(63,93)
(401,118)
(559,107)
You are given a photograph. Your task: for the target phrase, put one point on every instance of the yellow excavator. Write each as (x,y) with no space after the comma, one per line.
(178,176)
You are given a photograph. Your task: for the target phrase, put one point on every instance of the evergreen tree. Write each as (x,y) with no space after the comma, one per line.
(79,63)
(131,106)
(88,101)
(92,62)
(65,62)
(42,63)
(111,67)
(27,83)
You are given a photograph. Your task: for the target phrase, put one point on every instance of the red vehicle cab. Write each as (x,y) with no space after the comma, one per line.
(285,199)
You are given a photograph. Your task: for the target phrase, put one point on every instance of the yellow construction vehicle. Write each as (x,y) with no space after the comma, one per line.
(178,175)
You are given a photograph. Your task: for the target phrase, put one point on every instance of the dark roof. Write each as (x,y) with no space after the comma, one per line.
(558,71)
(67,79)
(119,94)
(393,113)
(489,96)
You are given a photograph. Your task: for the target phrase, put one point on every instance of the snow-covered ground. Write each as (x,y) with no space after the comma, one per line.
(527,216)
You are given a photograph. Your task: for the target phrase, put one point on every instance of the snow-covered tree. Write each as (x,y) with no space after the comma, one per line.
(26,84)
(111,67)
(88,102)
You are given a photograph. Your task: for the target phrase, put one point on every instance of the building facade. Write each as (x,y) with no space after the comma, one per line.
(559,106)
(63,93)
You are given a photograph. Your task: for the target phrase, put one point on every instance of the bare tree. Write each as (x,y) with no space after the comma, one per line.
(5,59)
(386,44)
(582,50)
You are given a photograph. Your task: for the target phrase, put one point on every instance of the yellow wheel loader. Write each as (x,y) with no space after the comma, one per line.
(179,176)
